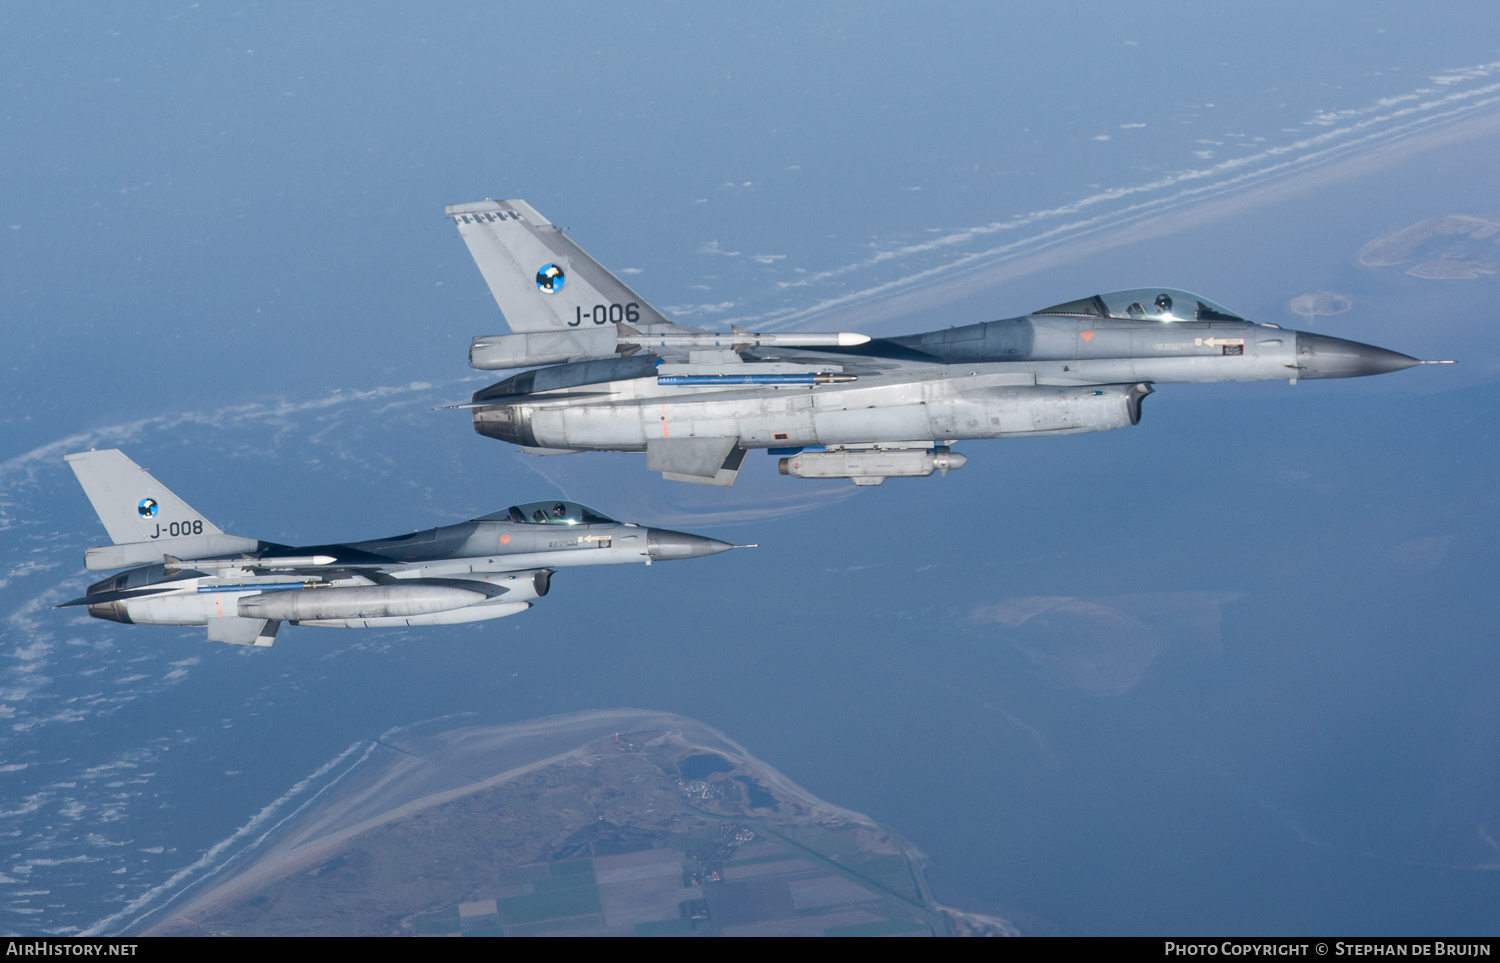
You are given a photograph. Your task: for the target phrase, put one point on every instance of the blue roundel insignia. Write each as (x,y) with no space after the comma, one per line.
(147,507)
(550,279)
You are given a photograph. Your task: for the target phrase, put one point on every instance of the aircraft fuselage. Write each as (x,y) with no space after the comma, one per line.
(1023,376)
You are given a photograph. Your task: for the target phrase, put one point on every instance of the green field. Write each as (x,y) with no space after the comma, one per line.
(557,904)
(882,928)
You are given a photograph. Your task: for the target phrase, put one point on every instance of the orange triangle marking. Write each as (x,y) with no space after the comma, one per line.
(504,539)
(1087,336)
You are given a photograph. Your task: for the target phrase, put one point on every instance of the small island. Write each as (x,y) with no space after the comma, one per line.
(619,823)
(1444,245)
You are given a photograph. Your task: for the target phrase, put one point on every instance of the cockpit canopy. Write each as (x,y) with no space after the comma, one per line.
(1145,304)
(550,513)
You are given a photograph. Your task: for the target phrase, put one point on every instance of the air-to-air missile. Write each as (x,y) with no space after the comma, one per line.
(611,373)
(183,570)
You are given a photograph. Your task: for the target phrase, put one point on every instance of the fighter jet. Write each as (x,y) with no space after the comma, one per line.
(183,570)
(612,373)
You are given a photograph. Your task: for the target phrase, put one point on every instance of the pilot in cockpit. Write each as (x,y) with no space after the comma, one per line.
(1163,304)
(1134,304)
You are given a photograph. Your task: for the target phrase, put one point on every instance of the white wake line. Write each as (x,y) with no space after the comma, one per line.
(115,434)
(1118,193)
(139,907)
(1431,111)
(1063,232)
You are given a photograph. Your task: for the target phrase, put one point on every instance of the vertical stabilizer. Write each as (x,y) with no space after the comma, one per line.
(133,506)
(541,280)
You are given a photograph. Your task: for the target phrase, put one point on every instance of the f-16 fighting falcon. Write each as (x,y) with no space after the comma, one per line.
(613,374)
(182,570)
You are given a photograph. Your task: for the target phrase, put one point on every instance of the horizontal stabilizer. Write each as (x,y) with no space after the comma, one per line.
(101,597)
(163,550)
(496,351)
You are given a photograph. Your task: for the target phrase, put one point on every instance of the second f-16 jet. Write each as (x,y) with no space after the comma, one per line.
(181,569)
(612,373)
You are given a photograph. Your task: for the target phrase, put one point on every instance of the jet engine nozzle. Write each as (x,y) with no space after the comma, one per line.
(510,423)
(110,611)
(1320,356)
(663,544)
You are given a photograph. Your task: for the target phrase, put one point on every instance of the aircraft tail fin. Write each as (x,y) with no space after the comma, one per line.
(541,280)
(133,506)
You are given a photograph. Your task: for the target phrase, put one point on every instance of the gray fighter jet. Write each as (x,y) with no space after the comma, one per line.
(185,571)
(617,375)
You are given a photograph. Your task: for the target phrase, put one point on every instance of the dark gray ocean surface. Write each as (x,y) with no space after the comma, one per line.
(1231,670)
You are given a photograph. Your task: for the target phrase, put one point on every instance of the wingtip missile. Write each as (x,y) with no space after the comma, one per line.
(244,561)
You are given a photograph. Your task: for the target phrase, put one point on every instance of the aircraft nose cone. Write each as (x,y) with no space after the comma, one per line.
(663,544)
(1320,356)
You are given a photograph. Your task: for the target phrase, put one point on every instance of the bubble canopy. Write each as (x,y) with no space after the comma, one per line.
(1145,304)
(550,513)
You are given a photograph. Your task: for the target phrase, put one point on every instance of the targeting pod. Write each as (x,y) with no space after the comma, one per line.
(872,466)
